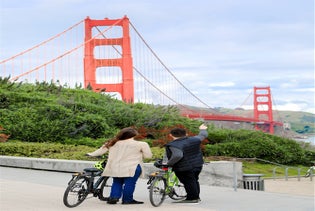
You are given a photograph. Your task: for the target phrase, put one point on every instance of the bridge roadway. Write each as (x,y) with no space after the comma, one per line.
(36,190)
(222,117)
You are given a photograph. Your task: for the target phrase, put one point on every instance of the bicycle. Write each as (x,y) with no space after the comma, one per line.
(164,183)
(310,171)
(87,182)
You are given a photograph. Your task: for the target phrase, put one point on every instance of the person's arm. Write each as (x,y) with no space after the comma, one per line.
(101,151)
(177,154)
(203,133)
(146,151)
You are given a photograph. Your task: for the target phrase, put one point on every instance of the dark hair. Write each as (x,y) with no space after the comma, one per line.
(178,132)
(125,133)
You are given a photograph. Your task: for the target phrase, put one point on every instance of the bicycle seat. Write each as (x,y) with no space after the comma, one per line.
(91,170)
(158,163)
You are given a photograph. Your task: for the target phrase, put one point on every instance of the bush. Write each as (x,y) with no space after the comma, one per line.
(46,112)
(50,113)
(58,151)
(45,150)
(263,146)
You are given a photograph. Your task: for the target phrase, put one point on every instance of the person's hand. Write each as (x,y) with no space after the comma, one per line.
(203,127)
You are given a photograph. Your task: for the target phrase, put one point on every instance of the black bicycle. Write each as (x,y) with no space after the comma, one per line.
(84,183)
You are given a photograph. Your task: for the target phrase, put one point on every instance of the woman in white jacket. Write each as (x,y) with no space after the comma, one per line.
(124,164)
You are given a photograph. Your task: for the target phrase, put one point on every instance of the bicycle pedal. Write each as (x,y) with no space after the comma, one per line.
(154,174)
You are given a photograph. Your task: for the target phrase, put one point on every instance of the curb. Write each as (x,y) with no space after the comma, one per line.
(217,173)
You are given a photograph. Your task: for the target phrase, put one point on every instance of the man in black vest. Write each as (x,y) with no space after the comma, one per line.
(185,157)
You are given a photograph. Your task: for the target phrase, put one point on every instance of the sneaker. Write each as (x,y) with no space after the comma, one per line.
(103,198)
(112,201)
(133,202)
(195,201)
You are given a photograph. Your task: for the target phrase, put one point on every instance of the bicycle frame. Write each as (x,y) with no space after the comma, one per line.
(170,177)
(168,174)
(310,171)
(91,178)
(90,181)
(170,186)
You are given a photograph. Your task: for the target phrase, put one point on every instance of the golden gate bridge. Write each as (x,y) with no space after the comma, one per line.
(113,57)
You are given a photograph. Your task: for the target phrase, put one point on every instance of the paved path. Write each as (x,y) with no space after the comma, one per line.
(304,187)
(32,190)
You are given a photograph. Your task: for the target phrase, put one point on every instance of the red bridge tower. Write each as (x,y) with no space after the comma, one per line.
(263,109)
(126,86)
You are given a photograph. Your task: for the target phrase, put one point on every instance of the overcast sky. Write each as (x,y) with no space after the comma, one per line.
(220,49)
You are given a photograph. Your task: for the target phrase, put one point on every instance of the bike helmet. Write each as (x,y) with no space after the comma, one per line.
(99,165)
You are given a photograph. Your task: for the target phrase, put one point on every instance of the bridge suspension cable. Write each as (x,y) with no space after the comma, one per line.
(168,70)
(47,61)
(42,43)
(143,76)
(141,71)
(155,82)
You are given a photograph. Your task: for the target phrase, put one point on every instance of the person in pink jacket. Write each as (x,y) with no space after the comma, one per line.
(124,164)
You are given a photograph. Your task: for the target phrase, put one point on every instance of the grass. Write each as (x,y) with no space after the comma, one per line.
(252,166)
(271,170)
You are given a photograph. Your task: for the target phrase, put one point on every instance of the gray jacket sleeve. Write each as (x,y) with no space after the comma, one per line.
(177,154)
(203,134)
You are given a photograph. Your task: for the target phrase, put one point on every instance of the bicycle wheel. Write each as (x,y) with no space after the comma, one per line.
(105,188)
(76,192)
(157,191)
(178,192)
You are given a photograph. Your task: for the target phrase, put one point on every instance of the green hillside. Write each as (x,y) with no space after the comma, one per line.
(68,118)
(301,122)
(46,112)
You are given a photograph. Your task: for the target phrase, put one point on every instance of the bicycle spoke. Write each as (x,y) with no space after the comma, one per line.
(178,192)
(105,188)
(157,191)
(76,192)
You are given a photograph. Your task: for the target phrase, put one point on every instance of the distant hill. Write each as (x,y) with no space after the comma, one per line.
(301,122)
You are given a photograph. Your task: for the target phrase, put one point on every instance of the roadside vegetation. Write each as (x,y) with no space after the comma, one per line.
(52,121)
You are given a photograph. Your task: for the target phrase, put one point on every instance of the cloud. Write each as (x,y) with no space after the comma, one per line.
(222,84)
(219,50)
(295,107)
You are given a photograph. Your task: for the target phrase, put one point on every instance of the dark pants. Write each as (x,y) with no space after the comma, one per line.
(125,186)
(190,179)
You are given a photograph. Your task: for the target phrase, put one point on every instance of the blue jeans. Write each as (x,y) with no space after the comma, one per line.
(125,186)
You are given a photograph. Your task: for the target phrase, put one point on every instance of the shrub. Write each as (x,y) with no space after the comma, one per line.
(271,148)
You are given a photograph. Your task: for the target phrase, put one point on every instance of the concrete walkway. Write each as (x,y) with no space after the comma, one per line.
(34,190)
(304,187)
(37,190)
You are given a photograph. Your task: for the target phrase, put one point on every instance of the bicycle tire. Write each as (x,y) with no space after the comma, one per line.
(76,192)
(178,192)
(157,191)
(105,188)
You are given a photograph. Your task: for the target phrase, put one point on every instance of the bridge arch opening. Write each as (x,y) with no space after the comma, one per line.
(108,75)
(107,32)
(120,31)
(107,52)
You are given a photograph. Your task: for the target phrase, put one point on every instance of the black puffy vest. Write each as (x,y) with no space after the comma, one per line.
(192,155)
